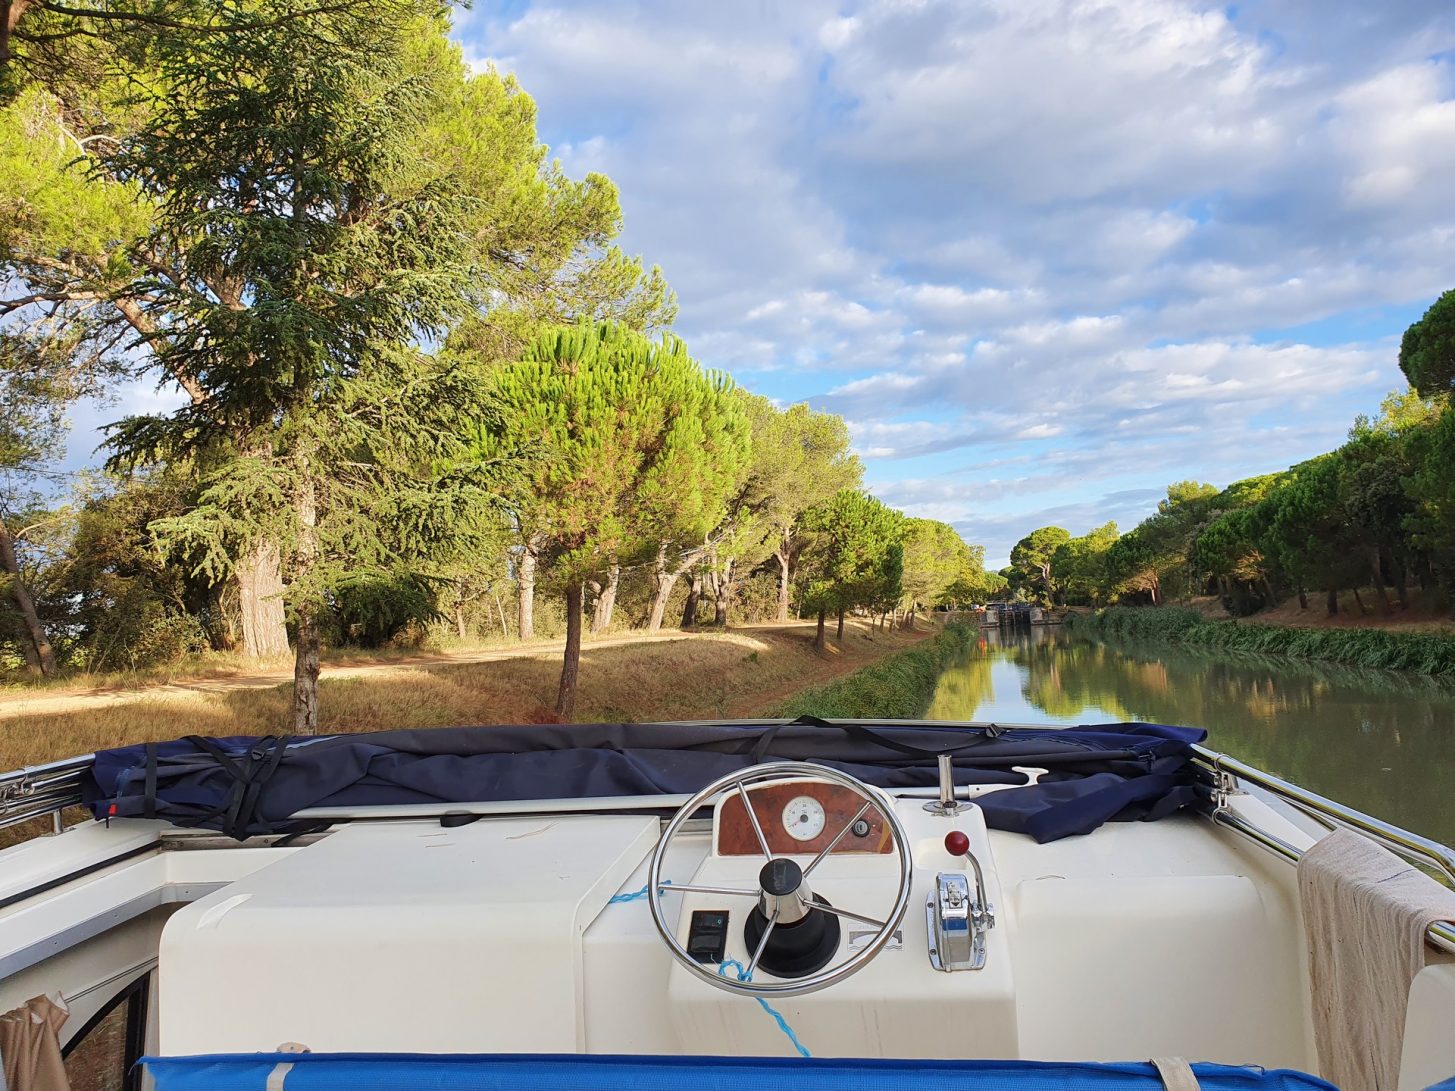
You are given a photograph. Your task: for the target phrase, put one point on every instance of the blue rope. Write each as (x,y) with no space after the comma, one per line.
(777,1016)
(741,969)
(634,895)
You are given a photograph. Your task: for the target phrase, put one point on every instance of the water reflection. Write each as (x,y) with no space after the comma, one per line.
(1380,741)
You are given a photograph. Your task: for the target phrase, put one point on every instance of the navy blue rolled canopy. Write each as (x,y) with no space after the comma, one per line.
(248,785)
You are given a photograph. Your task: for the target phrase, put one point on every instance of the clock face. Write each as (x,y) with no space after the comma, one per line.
(803,818)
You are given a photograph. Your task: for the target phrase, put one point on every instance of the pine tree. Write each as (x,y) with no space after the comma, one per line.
(630,441)
(853,556)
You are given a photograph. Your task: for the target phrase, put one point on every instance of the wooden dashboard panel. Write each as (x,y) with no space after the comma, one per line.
(735,836)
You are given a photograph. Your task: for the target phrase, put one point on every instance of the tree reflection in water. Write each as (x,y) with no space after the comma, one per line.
(1380,741)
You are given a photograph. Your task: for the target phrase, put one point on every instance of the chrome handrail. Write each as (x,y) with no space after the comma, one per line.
(39,790)
(1409,846)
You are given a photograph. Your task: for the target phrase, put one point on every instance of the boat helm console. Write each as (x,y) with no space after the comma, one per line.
(891,915)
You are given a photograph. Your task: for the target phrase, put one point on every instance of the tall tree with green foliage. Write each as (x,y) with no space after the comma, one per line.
(1427,350)
(1307,534)
(973,585)
(1230,549)
(76,239)
(934,556)
(1430,487)
(301,244)
(798,458)
(1079,565)
(35,389)
(853,556)
(1032,558)
(813,463)
(629,440)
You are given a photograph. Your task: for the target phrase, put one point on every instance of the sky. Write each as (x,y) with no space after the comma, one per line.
(1044,256)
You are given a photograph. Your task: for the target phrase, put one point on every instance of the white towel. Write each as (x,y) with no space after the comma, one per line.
(1365,912)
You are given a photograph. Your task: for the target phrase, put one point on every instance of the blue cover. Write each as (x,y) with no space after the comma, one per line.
(504,1072)
(246,785)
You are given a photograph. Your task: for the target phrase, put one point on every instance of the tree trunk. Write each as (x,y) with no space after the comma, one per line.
(1268,590)
(1376,570)
(1302,598)
(460,618)
(1331,601)
(666,580)
(525,576)
(305,662)
(818,641)
(689,608)
(1362,608)
(606,601)
(571,662)
(1401,581)
(840,636)
(39,655)
(259,575)
(782,557)
(223,635)
(500,609)
(10,13)
(305,672)
(724,595)
(662,582)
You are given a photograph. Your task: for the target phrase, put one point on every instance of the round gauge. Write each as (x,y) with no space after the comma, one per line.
(803,818)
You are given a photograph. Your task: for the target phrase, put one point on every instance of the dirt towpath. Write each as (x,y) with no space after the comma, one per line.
(17,704)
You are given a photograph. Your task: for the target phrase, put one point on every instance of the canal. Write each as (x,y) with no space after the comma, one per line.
(1380,741)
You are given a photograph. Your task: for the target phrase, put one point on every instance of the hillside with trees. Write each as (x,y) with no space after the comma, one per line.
(420,392)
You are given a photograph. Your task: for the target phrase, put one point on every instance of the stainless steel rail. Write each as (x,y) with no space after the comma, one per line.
(1412,847)
(40,790)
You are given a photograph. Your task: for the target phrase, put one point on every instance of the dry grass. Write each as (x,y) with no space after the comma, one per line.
(741,673)
(231,666)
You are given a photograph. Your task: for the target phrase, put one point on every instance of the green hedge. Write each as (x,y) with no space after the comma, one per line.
(1424,653)
(897,688)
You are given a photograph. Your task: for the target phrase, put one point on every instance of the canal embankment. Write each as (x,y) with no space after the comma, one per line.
(1423,652)
(897,688)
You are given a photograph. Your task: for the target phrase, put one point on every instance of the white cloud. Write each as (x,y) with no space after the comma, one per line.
(1028,247)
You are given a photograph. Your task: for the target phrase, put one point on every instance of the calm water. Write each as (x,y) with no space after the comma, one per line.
(1380,741)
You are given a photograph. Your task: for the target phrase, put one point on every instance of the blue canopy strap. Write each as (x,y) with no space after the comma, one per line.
(435,1072)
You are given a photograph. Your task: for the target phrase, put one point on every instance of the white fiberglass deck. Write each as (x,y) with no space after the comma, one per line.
(499,936)
(523,933)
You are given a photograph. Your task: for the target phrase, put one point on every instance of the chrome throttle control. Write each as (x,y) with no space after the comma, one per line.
(957,918)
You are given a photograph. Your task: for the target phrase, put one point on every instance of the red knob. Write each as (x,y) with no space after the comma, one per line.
(956,843)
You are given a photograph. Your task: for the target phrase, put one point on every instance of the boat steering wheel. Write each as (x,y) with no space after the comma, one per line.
(784,899)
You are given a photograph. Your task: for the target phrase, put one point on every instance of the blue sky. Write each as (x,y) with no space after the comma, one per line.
(1044,256)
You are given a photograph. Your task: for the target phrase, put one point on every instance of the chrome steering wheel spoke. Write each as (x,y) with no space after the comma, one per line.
(753,818)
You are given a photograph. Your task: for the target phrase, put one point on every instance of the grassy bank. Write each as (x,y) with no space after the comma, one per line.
(745,672)
(899,687)
(1422,652)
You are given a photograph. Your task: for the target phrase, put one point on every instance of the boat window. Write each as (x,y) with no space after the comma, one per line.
(103,1056)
